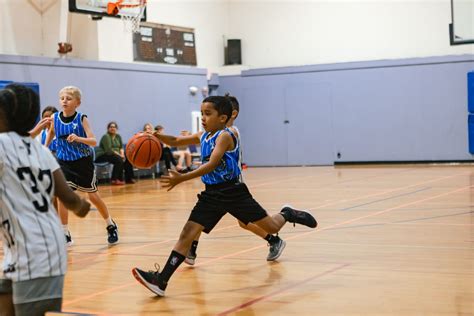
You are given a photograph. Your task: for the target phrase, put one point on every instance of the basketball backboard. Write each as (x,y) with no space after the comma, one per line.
(461,30)
(98,8)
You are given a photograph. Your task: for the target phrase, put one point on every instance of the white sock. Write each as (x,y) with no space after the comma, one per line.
(65,230)
(109,221)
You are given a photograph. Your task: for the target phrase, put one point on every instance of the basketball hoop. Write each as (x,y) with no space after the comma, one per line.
(130,11)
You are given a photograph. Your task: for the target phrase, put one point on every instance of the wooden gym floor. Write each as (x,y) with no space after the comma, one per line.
(392,240)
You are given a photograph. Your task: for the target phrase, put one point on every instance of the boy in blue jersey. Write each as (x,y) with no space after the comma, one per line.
(224,191)
(275,243)
(74,139)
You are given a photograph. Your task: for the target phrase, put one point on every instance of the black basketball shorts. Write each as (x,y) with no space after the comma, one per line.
(233,198)
(80,174)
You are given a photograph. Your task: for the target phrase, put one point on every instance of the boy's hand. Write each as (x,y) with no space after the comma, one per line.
(85,208)
(72,138)
(45,123)
(172,180)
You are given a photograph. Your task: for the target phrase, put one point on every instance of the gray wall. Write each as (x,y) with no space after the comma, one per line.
(131,94)
(397,110)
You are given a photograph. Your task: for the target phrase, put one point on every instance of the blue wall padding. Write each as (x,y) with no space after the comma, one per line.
(470,91)
(32,85)
(471,132)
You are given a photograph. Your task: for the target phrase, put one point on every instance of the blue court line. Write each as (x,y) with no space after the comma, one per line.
(389,198)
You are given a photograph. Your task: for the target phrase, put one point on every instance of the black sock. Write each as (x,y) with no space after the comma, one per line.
(194,246)
(271,239)
(174,260)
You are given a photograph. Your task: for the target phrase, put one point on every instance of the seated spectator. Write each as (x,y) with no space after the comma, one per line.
(166,154)
(111,150)
(183,154)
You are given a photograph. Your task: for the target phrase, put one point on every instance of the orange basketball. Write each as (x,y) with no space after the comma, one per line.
(143,150)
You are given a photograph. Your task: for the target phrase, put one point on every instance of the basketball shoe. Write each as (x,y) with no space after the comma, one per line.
(152,280)
(276,248)
(298,217)
(112,232)
(191,256)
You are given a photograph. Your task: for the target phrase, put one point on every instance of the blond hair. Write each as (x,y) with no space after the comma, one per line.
(74,91)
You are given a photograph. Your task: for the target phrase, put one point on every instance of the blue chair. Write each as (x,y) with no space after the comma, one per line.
(103,170)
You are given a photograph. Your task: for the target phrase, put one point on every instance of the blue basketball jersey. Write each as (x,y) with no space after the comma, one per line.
(228,169)
(53,146)
(65,150)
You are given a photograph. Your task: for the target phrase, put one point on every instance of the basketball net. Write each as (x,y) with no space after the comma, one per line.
(131,12)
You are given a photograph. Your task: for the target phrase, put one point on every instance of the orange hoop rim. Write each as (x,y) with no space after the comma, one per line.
(129,4)
(114,7)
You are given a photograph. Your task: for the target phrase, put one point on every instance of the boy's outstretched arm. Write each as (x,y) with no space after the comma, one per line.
(223,143)
(50,135)
(71,200)
(42,124)
(194,139)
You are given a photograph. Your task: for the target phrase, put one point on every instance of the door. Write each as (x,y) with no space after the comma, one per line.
(309,124)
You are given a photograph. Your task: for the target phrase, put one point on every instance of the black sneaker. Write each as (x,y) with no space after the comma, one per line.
(151,280)
(276,248)
(112,232)
(191,257)
(298,217)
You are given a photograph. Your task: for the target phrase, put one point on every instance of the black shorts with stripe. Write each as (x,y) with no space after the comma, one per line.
(80,174)
(229,197)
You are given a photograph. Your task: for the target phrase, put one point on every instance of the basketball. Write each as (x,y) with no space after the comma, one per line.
(143,150)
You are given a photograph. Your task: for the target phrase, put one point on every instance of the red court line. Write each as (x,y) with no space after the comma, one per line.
(85,312)
(388,191)
(112,289)
(380,212)
(292,237)
(282,290)
(71,260)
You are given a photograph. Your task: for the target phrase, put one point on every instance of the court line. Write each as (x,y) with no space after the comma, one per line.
(292,237)
(432,217)
(431,224)
(132,248)
(112,289)
(280,291)
(183,268)
(388,191)
(386,210)
(84,312)
(351,221)
(389,198)
(407,222)
(347,244)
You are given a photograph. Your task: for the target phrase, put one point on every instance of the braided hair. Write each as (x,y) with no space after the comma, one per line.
(20,107)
